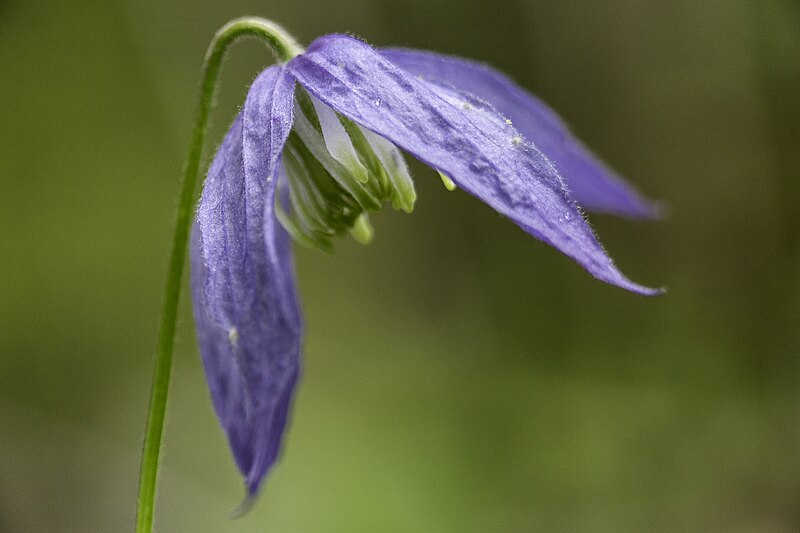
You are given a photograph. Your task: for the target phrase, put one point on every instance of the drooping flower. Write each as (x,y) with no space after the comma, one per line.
(314,149)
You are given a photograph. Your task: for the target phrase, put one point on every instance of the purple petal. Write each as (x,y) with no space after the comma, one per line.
(592,183)
(224,377)
(246,310)
(458,135)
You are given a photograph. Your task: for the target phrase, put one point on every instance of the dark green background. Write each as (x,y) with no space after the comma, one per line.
(459,375)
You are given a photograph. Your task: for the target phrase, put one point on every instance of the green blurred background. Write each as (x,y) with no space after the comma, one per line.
(459,375)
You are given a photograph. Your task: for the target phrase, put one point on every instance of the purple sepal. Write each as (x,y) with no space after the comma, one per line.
(594,186)
(461,136)
(243,289)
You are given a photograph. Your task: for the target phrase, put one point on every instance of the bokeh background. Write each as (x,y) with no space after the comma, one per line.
(459,375)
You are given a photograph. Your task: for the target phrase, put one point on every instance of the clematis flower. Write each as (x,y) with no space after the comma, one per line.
(315,148)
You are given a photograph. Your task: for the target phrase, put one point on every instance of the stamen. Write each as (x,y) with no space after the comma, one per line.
(333,172)
(378,183)
(446,181)
(316,145)
(308,215)
(362,230)
(403,194)
(292,216)
(338,142)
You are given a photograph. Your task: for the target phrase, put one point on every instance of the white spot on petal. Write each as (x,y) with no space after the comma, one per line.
(233,336)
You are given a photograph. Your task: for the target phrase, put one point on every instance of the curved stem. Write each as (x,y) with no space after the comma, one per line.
(285,48)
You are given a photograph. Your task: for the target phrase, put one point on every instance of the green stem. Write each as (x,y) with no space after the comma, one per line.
(285,48)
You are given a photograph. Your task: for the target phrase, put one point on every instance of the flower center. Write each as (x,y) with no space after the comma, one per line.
(333,173)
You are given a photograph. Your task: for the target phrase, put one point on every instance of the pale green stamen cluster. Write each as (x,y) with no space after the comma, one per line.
(337,172)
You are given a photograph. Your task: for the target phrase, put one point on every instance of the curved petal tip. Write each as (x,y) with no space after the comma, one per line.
(244,507)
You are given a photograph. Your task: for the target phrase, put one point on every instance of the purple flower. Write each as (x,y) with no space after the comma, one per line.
(313,150)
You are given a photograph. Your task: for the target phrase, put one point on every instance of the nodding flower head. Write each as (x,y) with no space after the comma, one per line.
(316,148)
